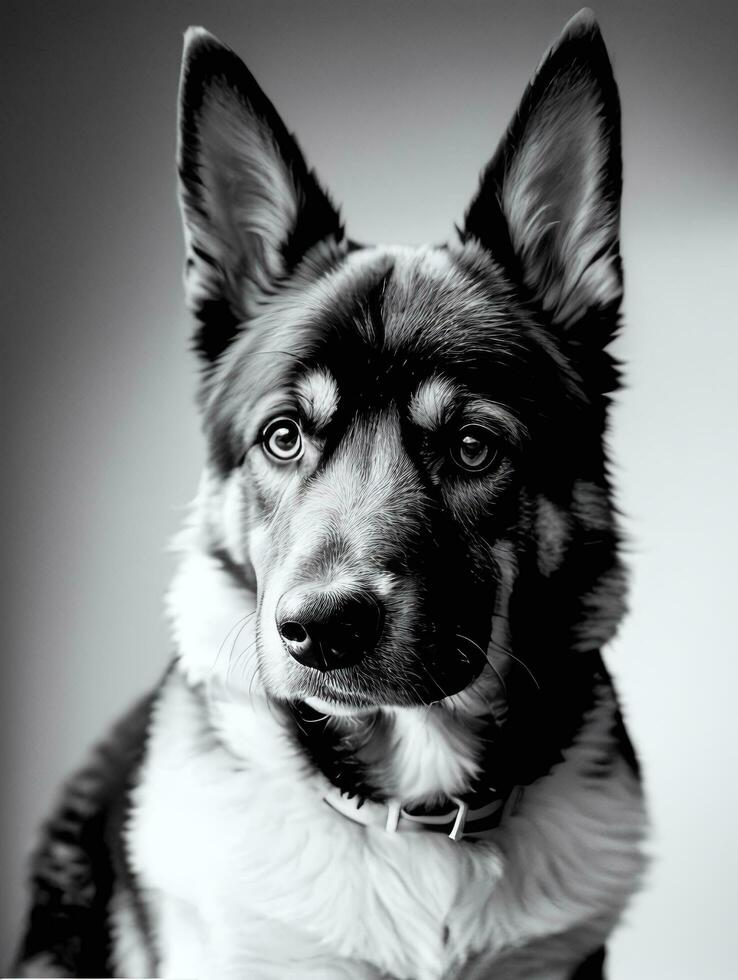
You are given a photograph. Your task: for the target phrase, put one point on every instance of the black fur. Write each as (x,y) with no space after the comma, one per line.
(593,968)
(80,858)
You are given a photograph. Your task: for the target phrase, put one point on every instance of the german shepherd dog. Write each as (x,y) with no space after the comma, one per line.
(387,745)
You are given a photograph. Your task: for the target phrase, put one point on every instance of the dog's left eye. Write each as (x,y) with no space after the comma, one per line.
(474,448)
(282,440)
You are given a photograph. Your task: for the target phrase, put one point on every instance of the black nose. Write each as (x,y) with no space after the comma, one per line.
(328,631)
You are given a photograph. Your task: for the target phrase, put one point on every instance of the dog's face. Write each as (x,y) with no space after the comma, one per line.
(405,445)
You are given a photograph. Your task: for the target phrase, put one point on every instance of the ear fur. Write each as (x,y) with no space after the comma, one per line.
(251,208)
(548,205)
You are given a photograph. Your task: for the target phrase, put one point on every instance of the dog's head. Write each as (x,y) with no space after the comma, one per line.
(406,459)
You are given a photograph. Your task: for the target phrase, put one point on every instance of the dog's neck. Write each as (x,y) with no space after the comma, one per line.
(418,755)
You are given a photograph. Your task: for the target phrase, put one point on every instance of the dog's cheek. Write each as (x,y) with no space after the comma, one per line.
(258,548)
(234,510)
(270,531)
(264,491)
(480,517)
(222,515)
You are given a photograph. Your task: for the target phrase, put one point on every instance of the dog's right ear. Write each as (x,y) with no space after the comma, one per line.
(251,207)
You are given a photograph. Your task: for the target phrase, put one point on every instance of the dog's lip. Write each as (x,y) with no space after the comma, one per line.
(325,687)
(333,707)
(356,700)
(352,699)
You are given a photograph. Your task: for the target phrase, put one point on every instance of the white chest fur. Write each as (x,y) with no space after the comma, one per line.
(250,874)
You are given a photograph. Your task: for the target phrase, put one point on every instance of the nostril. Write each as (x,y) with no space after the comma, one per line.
(293,632)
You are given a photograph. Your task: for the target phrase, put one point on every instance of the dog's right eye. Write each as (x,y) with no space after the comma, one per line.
(281,439)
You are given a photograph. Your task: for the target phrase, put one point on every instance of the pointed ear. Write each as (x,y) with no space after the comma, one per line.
(548,205)
(251,207)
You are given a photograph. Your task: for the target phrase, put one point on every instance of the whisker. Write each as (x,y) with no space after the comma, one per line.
(315,721)
(254,673)
(460,636)
(433,680)
(237,637)
(499,648)
(499,676)
(233,663)
(243,620)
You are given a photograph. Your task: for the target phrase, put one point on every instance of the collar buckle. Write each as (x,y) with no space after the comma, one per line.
(457,831)
(394,812)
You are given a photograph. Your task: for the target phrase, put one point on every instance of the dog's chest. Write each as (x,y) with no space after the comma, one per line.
(246,865)
(248,873)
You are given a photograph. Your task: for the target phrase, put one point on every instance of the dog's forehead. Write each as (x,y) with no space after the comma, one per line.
(398,321)
(426,307)
(420,298)
(433,300)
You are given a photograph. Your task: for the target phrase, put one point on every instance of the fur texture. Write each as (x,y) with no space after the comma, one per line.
(394,583)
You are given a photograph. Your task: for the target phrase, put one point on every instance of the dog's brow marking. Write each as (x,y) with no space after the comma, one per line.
(438,396)
(432,402)
(317,394)
(483,409)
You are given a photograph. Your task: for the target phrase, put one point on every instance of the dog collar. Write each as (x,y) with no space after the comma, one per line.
(456,819)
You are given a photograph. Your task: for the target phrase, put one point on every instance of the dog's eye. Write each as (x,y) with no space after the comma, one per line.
(282,440)
(474,448)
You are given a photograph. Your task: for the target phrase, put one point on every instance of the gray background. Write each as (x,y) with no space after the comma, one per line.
(398,105)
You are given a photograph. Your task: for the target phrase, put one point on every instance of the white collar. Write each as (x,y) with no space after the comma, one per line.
(456,819)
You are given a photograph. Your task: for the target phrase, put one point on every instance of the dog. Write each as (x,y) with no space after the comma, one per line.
(387,746)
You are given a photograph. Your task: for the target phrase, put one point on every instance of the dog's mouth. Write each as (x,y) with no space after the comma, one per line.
(371,685)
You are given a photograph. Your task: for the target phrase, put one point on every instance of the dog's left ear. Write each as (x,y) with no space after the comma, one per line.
(548,205)
(251,208)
